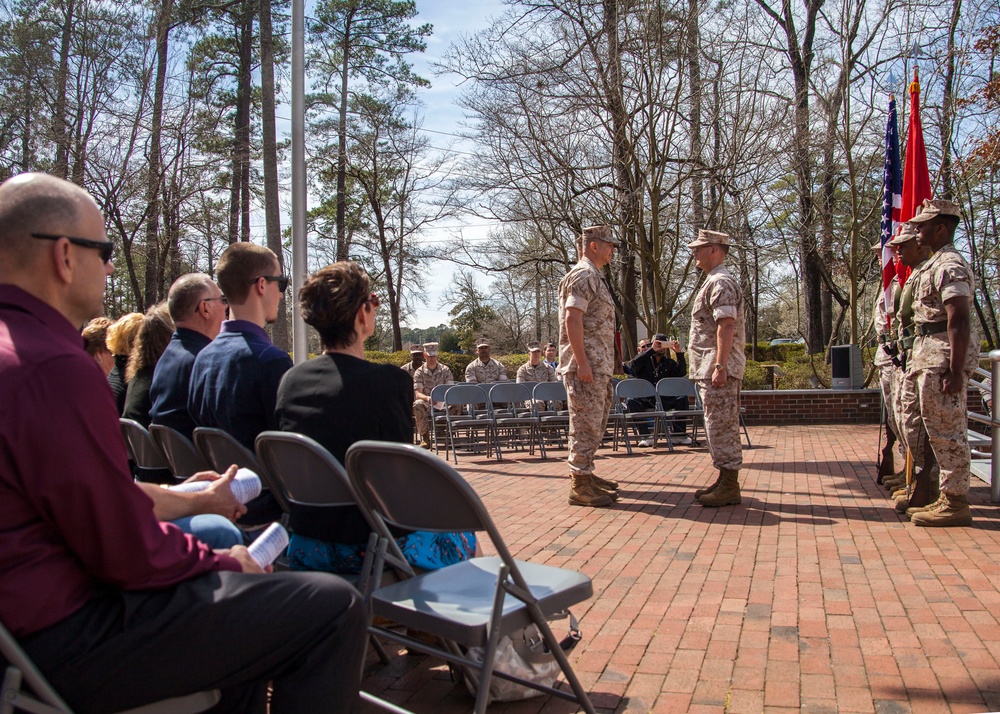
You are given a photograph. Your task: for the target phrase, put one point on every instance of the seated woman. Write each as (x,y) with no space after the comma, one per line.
(339,398)
(152,338)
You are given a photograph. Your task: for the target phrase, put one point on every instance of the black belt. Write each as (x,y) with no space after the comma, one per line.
(931,328)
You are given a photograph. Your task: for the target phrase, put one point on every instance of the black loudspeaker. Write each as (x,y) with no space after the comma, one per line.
(846,367)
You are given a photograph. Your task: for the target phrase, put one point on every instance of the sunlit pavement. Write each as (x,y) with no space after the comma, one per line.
(813,595)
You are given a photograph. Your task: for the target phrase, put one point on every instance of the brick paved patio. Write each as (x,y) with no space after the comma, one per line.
(812,596)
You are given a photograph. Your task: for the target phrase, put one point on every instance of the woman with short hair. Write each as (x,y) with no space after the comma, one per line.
(339,398)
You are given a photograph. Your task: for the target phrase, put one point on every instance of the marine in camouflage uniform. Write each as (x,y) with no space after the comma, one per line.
(416,359)
(884,355)
(429,375)
(483,369)
(716,360)
(540,372)
(586,363)
(945,353)
(906,405)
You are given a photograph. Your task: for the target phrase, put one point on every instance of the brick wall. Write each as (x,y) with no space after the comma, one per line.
(812,406)
(820,406)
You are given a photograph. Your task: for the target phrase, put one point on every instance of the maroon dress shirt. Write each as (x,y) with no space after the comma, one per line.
(71,518)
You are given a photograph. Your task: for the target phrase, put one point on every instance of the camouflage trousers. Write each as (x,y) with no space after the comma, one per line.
(722,422)
(422,413)
(908,416)
(889,383)
(946,422)
(589,405)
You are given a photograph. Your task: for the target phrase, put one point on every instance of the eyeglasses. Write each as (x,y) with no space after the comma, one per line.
(106,247)
(222,298)
(373,300)
(281,280)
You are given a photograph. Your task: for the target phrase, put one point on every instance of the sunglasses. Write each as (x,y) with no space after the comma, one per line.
(222,298)
(281,280)
(106,247)
(373,300)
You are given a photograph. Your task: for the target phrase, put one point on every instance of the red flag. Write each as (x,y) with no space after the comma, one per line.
(916,177)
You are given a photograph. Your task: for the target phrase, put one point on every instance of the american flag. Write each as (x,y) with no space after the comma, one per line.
(891,203)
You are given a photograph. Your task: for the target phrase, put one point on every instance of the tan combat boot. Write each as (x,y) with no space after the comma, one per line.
(583,493)
(894,483)
(937,503)
(923,494)
(606,486)
(425,441)
(702,491)
(727,493)
(950,511)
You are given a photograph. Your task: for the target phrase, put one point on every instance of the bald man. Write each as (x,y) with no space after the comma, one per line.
(115,607)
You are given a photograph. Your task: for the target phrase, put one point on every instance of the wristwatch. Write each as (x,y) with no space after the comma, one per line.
(719,366)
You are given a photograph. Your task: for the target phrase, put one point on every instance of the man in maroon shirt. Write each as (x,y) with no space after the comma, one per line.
(117,608)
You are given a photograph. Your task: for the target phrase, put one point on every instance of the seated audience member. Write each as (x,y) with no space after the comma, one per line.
(416,359)
(429,375)
(121,336)
(321,398)
(234,380)
(535,370)
(95,341)
(197,307)
(552,355)
(116,608)
(644,344)
(484,369)
(654,364)
(150,342)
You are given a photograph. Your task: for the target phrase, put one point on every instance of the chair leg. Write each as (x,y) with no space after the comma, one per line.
(743,423)
(582,698)
(492,641)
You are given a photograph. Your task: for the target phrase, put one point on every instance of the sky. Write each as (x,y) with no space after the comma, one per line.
(451,20)
(442,119)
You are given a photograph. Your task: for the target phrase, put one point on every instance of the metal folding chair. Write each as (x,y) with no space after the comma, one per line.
(509,415)
(305,474)
(472,603)
(43,699)
(551,419)
(184,457)
(151,466)
(640,389)
(674,387)
(222,451)
(468,397)
(436,415)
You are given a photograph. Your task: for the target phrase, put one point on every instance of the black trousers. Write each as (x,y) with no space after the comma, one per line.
(304,632)
(648,404)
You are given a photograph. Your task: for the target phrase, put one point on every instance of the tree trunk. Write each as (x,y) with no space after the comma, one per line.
(154,181)
(948,105)
(60,130)
(243,130)
(343,244)
(694,70)
(272,207)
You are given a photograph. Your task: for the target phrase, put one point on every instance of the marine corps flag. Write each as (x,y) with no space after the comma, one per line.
(916,177)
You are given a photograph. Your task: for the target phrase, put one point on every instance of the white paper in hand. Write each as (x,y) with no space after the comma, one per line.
(245,485)
(269,545)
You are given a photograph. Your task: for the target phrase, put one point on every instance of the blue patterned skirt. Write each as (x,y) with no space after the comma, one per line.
(424,550)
